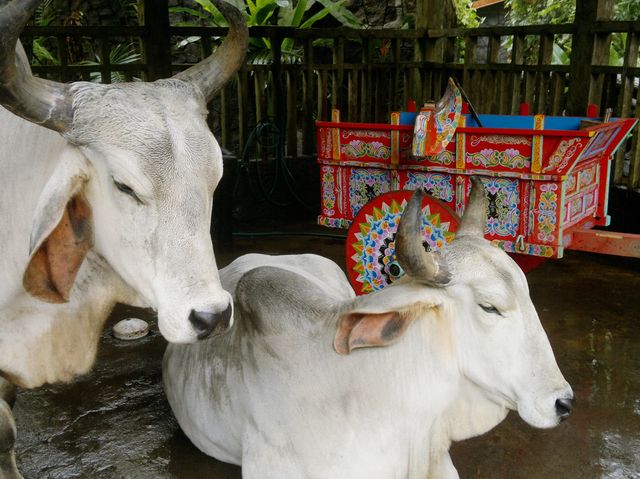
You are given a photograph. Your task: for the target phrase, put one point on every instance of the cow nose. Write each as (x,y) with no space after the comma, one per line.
(564,407)
(207,322)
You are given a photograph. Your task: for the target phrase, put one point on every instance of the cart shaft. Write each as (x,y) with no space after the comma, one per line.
(604,242)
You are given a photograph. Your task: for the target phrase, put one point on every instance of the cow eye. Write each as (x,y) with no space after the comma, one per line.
(488,308)
(127,190)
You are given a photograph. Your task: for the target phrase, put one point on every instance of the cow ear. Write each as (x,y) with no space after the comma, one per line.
(365,330)
(382,317)
(62,232)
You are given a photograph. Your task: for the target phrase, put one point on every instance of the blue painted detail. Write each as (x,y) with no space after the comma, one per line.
(526,122)
(408,118)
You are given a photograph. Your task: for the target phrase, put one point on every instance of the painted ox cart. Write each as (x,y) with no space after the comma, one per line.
(546,179)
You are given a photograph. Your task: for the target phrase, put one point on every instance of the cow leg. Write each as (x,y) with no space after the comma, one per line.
(443,468)
(8,468)
(7,392)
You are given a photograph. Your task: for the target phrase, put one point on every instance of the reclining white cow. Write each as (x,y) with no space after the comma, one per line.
(460,345)
(105,196)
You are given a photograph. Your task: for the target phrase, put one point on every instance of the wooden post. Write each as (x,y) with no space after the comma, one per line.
(545,55)
(470,58)
(517,59)
(366,82)
(308,128)
(493,78)
(435,15)
(277,82)
(587,48)
(242,95)
(157,43)
(291,81)
(338,85)
(628,86)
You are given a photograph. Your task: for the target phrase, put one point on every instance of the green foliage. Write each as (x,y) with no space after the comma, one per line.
(533,12)
(45,15)
(129,10)
(467,16)
(537,12)
(626,10)
(269,12)
(121,54)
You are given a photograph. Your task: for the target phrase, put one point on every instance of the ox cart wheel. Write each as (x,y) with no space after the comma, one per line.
(370,245)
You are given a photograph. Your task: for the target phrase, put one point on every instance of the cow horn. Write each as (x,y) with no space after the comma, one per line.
(410,253)
(216,70)
(475,214)
(38,100)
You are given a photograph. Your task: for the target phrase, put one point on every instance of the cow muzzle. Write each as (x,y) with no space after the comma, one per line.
(564,406)
(546,410)
(207,323)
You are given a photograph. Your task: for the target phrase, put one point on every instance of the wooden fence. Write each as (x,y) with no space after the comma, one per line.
(369,73)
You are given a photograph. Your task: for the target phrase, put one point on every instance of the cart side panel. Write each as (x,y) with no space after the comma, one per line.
(547,210)
(364,184)
(439,184)
(503,218)
(581,192)
(365,146)
(332,208)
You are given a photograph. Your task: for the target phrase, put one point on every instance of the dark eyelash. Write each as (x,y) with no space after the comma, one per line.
(490,309)
(126,190)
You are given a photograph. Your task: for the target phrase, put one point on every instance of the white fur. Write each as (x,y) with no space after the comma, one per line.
(151,137)
(273,395)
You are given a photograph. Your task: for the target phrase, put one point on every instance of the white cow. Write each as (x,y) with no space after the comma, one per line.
(105,196)
(450,349)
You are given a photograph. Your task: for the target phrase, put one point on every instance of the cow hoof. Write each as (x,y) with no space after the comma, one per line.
(8,468)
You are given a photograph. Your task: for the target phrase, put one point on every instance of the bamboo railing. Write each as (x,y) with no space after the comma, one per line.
(369,73)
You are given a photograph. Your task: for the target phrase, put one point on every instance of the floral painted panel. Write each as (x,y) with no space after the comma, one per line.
(365,145)
(503,217)
(439,185)
(328,191)
(365,184)
(547,216)
(507,158)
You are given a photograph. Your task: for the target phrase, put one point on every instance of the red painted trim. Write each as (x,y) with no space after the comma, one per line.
(462,129)
(604,166)
(524,132)
(364,126)
(527,262)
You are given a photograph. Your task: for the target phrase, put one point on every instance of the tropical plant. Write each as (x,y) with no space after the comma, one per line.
(535,12)
(532,12)
(121,54)
(467,16)
(46,13)
(130,11)
(268,12)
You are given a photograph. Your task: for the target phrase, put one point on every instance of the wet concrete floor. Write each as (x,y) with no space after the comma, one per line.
(116,423)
